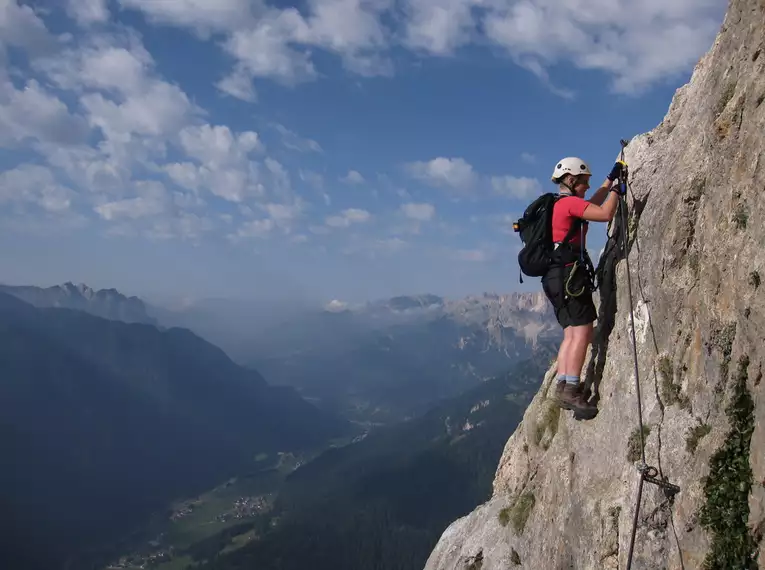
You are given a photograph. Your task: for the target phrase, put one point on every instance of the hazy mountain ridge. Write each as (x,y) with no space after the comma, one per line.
(379,502)
(391,359)
(105,422)
(106,303)
(382,360)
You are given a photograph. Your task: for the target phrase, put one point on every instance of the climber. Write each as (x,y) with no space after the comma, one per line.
(568,281)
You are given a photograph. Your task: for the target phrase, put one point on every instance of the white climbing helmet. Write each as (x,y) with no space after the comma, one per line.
(570,165)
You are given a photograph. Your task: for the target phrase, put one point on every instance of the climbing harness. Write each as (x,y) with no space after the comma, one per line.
(647,472)
(582,263)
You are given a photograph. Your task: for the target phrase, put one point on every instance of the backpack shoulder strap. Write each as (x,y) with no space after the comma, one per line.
(572,230)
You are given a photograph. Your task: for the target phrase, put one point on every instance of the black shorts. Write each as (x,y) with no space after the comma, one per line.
(570,311)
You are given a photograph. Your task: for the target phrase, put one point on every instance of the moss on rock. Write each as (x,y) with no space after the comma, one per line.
(726,511)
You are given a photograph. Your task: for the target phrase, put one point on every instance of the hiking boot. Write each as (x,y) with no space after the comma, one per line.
(559,388)
(572,398)
(558,395)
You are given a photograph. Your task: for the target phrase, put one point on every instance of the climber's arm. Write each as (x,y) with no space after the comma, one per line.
(604,213)
(600,194)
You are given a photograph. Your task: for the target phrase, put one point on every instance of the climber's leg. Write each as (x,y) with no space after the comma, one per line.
(560,377)
(581,337)
(563,351)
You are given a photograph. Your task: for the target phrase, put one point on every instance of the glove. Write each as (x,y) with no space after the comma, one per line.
(620,189)
(617,170)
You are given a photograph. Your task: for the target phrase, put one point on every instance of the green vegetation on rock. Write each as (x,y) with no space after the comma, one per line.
(722,337)
(725,97)
(671,392)
(726,511)
(634,453)
(518,512)
(695,434)
(549,421)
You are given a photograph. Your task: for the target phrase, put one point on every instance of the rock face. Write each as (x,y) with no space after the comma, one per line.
(565,491)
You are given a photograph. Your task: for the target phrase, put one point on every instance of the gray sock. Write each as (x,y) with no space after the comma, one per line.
(572,379)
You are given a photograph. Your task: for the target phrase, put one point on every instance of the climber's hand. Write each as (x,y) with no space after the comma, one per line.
(617,171)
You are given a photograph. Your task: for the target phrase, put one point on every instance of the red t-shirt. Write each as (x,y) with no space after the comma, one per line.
(565,213)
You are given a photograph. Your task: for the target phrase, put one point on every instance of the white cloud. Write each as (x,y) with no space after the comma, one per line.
(184,226)
(335,305)
(299,238)
(152,200)
(217,147)
(472,255)
(348,217)
(101,82)
(372,248)
(33,184)
(281,217)
(637,43)
(353,177)
(528,157)
(516,187)
(225,168)
(159,111)
(202,15)
(21,27)
(185,174)
(136,112)
(420,212)
(282,186)
(350,28)
(264,50)
(114,76)
(293,141)
(453,173)
(238,84)
(87,12)
(264,43)
(114,64)
(143,119)
(284,216)
(31,114)
(256,228)
(313,179)
(439,26)
(391,245)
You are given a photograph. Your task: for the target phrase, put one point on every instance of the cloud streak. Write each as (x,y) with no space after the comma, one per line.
(637,44)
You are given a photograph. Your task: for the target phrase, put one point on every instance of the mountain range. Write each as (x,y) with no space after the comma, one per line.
(376,362)
(104,422)
(394,359)
(106,303)
(377,503)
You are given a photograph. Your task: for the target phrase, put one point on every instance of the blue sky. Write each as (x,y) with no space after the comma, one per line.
(335,149)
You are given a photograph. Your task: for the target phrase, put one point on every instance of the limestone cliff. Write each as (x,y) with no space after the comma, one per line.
(565,490)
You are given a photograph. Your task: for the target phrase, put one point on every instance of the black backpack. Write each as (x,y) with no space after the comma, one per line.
(535,228)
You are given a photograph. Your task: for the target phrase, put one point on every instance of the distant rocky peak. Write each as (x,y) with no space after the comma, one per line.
(81,289)
(105,303)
